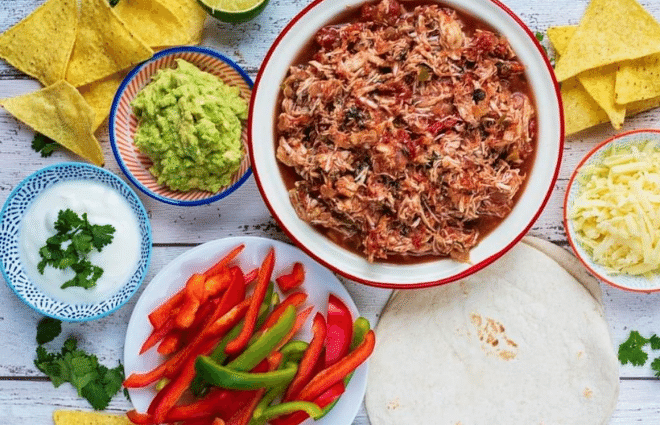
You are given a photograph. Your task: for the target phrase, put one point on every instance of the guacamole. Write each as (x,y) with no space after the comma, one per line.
(189,125)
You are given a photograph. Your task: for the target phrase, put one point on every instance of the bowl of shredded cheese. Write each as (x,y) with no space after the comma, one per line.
(612,211)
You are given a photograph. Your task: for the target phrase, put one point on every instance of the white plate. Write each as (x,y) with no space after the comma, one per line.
(645,283)
(319,283)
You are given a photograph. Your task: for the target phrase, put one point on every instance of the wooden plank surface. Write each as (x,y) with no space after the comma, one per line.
(25,397)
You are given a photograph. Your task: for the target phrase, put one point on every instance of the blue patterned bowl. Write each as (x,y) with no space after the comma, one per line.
(12,214)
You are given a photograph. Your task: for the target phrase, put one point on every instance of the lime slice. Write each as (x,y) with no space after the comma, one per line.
(234,11)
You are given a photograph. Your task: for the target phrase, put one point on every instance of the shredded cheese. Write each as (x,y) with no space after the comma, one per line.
(616,214)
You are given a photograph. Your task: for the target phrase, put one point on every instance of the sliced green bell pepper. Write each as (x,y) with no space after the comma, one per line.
(225,377)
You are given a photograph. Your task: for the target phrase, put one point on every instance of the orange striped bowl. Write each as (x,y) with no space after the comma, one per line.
(123,123)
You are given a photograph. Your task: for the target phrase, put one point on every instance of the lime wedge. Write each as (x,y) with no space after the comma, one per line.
(234,11)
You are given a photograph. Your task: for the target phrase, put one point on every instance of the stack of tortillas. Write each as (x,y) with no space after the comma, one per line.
(523,342)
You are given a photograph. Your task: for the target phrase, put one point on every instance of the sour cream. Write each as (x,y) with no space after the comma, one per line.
(103,205)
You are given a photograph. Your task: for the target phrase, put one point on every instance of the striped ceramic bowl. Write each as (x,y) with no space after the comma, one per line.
(123,123)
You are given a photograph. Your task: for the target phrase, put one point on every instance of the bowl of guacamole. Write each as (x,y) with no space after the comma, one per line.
(177,126)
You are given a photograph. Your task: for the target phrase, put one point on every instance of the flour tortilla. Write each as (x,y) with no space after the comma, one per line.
(519,343)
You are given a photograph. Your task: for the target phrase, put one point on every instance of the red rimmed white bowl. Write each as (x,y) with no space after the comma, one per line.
(646,283)
(537,190)
(123,122)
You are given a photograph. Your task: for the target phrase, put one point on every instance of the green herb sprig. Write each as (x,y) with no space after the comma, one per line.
(74,240)
(44,145)
(94,382)
(631,351)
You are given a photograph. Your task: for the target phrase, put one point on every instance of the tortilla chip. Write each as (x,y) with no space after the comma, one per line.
(642,105)
(638,79)
(75,417)
(580,110)
(610,31)
(60,113)
(100,94)
(153,22)
(599,83)
(560,37)
(40,45)
(193,16)
(104,45)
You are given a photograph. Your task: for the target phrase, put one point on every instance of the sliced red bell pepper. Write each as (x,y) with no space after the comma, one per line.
(160,314)
(210,335)
(217,283)
(340,330)
(158,334)
(169,368)
(310,359)
(192,299)
(325,399)
(301,318)
(179,384)
(251,275)
(265,272)
(224,261)
(212,404)
(170,343)
(139,380)
(335,373)
(287,282)
(244,414)
(296,299)
(203,315)
(139,418)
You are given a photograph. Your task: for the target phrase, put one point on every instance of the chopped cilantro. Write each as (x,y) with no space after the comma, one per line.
(48,329)
(75,238)
(631,350)
(93,381)
(655,342)
(655,365)
(43,145)
(539,35)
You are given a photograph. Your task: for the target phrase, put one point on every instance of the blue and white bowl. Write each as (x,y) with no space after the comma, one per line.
(12,269)
(123,123)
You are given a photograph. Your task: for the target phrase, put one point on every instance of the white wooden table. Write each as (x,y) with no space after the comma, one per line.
(27,397)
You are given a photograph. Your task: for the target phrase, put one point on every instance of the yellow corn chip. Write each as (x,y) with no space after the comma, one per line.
(100,94)
(599,82)
(60,113)
(560,37)
(40,45)
(75,417)
(610,31)
(153,22)
(638,79)
(642,105)
(192,15)
(104,45)
(580,110)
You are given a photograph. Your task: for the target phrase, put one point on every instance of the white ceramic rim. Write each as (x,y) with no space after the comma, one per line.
(622,281)
(537,191)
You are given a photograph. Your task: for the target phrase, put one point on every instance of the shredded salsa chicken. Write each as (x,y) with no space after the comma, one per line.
(404,130)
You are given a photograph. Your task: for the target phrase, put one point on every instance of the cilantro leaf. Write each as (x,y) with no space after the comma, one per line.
(655,365)
(48,329)
(93,381)
(539,35)
(43,145)
(655,342)
(631,350)
(76,237)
